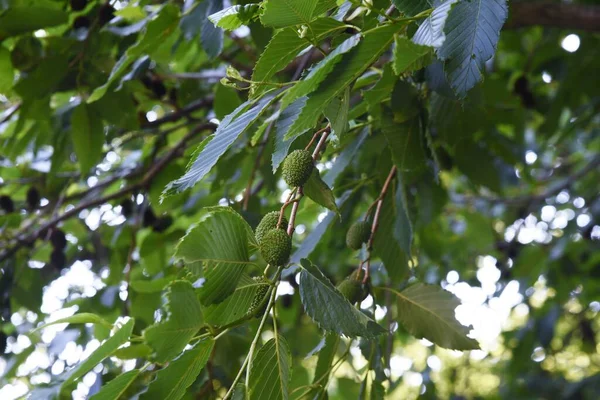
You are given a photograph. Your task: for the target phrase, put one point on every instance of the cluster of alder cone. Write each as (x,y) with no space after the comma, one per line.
(273,233)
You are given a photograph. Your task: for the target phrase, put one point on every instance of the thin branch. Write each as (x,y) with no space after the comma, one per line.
(378,202)
(291,225)
(204,102)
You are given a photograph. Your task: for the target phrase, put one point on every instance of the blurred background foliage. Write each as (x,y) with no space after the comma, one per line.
(505,211)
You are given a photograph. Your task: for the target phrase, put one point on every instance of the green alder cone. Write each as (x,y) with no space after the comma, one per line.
(259,302)
(358,234)
(276,247)
(352,289)
(269,222)
(297,168)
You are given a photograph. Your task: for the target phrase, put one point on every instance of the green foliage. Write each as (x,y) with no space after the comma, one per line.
(270,371)
(183,319)
(339,315)
(172,381)
(141,143)
(428,311)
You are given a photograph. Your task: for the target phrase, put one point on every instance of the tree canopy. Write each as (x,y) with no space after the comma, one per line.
(299,199)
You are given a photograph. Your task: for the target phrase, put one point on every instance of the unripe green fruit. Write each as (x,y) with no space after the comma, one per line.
(352,289)
(259,297)
(276,247)
(269,222)
(297,167)
(358,234)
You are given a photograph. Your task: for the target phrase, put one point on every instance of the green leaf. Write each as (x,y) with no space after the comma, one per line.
(409,56)
(105,350)
(228,131)
(133,351)
(184,318)
(405,143)
(220,241)
(233,17)
(44,78)
(226,101)
(329,308)
(20,19)
(427,311)
(282,13)
(81,318)
(153,286)
(386,247)
(171,382)
(319,72)
(285,46)
(325,361)
(473,29)
(236,306)
(7,74)
(155,31)
(476,162)
(412,7)
(318,191)
(352,65)
(285,120)
(87,134)
(431,30)
(115,389)
(271,371)
(210,35)
(337,114)
(402,224)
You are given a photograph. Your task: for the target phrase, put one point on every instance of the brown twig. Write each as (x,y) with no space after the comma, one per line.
(291,225)
(375,224)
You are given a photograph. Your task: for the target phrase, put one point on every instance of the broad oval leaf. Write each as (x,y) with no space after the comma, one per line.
(221,242)
(427,311)
(329,308)
(171,382)
(431,31)
(183,320)
(472,30)
(282,13)
(270,372)
(87,134)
